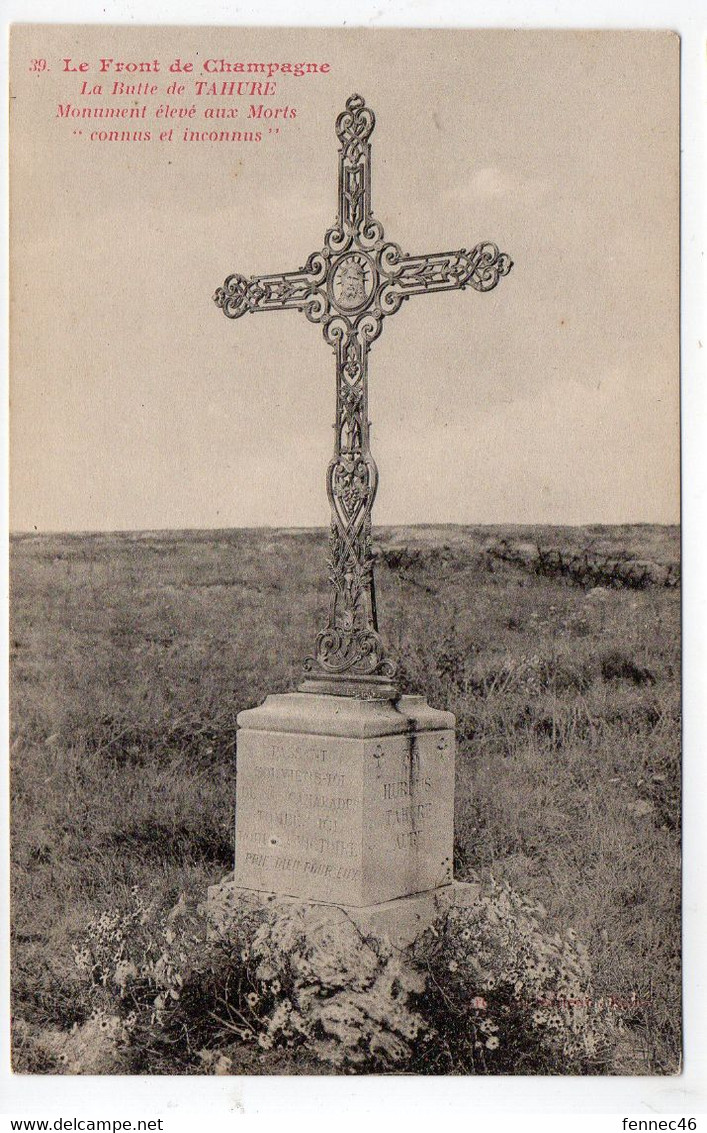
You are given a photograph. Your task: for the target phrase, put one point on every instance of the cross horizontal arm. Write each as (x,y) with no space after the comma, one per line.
(301,290)
(481,268)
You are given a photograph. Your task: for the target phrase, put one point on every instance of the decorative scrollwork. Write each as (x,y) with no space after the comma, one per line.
(303,290)
(488,266)
(349,287)
(337,240)
(354,125)
(232,298)
(481,268)
(339,652)
(370,234)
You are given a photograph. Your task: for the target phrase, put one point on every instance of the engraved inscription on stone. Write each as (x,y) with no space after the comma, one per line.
(349,820)
(409,813)
(298,818)
(408,816)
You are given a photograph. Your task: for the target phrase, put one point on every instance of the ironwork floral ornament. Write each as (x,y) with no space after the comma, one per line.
(349,287)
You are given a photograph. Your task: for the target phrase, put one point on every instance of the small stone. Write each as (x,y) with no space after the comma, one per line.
(641,808)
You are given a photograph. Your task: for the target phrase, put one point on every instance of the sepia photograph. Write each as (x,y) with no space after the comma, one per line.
(345,639)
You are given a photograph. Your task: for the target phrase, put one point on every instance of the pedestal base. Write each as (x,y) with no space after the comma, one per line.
(399,922)
(342,800)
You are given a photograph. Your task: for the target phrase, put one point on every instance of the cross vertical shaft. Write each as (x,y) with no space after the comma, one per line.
(349,288)
(349,651)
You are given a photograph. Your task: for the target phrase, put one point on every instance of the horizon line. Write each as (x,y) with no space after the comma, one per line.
(35,531)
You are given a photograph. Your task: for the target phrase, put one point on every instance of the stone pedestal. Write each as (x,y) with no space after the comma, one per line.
(400,922)
(343,801)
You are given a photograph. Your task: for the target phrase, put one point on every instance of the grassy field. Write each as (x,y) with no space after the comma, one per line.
(558,649)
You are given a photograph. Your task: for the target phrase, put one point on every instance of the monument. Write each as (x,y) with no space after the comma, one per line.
(345,788)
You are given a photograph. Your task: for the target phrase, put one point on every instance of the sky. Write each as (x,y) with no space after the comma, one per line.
(553,399)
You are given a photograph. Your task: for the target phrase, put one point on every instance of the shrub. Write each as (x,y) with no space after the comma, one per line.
(504,996)
(485,990)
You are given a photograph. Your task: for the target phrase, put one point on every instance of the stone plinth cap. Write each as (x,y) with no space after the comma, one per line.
(322,715)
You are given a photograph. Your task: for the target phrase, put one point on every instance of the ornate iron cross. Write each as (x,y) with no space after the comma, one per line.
(349,287)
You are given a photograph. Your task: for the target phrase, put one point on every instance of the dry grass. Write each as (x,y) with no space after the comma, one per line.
(133,654)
